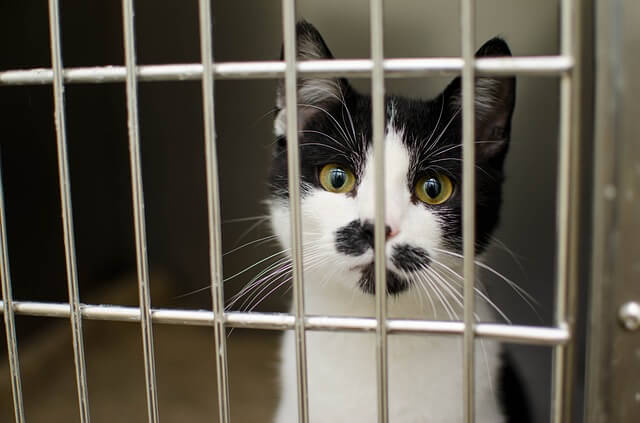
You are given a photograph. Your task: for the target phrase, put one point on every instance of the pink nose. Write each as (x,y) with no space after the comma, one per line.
(369,230)
(390,233)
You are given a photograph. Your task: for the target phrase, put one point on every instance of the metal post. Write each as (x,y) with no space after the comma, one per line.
(293,162)
(378,119)
(138,212)
(9,320)
(468,203)
(67,214)
(213,205)
(567,216)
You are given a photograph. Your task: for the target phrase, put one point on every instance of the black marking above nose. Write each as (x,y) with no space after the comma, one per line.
(356,237)
(410,259)
(352,239)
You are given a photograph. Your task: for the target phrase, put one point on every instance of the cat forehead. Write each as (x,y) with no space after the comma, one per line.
(397,159)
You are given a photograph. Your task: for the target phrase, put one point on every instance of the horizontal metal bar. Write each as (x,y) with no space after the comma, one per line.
(355,68)
(534,335)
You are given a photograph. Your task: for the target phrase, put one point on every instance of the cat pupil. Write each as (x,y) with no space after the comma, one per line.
(338,178)
(432,187)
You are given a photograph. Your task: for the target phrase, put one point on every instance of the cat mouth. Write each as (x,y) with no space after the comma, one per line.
(405,259)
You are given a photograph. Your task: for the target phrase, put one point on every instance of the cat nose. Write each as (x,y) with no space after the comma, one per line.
(368,232)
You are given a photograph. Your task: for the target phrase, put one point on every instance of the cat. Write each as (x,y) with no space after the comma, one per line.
(423,177)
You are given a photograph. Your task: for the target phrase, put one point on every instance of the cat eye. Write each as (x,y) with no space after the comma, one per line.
(434,189)
(336,178)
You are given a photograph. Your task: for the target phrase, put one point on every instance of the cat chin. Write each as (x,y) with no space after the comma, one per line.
(396,284)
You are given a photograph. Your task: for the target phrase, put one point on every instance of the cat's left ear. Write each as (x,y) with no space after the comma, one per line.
(494,102)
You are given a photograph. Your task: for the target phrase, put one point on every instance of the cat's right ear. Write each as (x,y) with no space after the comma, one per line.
(494,103)
(314,93)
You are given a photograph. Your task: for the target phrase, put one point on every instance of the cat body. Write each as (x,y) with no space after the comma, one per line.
(423,178)
(425,371)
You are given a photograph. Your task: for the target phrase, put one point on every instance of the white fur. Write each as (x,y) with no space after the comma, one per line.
(425,372)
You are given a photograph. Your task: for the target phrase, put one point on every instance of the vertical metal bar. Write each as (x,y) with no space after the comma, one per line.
(67,214)
(293,162)
(9,321)
(613,362)
(213,205)
(378,123)
(613,369)
(138,211)
(468,203)
(567,215)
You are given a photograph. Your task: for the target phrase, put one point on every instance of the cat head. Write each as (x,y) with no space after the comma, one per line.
(423,171)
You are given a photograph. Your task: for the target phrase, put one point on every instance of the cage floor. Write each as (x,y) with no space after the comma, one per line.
(185,370)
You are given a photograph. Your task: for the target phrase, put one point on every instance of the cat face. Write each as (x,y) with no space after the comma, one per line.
(423,172)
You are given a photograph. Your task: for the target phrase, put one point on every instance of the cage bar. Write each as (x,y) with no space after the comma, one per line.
(353,68)
(138,212)
(378,120)
(567,217)
(377,68)
(213,208)
(293,163)
(67,213)
(534,335)
(468,204)
(9,318)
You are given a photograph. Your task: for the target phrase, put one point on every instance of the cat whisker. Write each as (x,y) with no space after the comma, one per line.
(446,148)
(335,121)
(499,243)
(345,107)
(311,265)
(246,219)
(444,130)
(276,269)
(308,144)
(460,160)
(522,293)
(428,143)
(477,291)
(425,290)
(438,293)
(250,229)
(311,131)
(449,291)
(255,241)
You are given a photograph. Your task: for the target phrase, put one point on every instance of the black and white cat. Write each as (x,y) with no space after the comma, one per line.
(423,216)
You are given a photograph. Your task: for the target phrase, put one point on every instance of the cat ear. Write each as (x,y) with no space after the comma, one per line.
(494,103)
(314,93)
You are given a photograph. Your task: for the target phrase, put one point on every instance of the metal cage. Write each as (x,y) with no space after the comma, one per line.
(561,335)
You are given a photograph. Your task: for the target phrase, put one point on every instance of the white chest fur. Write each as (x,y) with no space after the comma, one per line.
(425,372)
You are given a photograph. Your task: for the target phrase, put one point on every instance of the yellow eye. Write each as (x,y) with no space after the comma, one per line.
(336,178)
(434,189)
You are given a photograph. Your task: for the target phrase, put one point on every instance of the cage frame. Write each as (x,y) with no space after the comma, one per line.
(565,65)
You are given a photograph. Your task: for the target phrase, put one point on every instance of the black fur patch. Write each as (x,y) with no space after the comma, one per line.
(409,259)
(512,394)
(354,239)
(395,283)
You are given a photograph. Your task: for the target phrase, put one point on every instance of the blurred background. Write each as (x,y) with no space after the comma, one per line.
(175,197)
